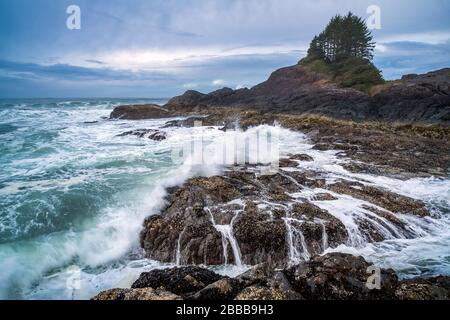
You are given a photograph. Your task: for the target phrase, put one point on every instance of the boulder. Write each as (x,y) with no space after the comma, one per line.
(437,288)
(149,133)
(339,276)
(180,281)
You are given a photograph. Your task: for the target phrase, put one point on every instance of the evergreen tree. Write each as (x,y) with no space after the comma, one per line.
(342,38)
(343,51)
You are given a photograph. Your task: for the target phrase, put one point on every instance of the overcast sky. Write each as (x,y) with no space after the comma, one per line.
(161,48)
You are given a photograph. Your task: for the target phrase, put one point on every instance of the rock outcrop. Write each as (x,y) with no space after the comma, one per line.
(242,217)
(298,90)
(179,280)
(140,112)
(333,276)
(146,133)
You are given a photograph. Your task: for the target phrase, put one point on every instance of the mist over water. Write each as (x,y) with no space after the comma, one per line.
(73,196)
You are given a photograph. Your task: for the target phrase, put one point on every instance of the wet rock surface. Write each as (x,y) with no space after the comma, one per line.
(287,219)
(136,294)
(339,277)
(146,133)
(243,217)
(437,288)
(335,276)
(178,280)
(384,151)
(383,198)
(140,112)
(188,122)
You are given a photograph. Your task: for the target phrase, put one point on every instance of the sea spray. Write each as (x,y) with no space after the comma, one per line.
(75,194)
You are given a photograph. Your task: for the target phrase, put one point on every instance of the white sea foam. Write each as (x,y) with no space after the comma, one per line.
(69,157)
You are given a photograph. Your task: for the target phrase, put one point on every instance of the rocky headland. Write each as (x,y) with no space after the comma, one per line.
(298,90)
(283,224)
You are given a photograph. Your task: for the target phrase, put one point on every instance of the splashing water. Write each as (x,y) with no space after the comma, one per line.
(72,193)
(228,237)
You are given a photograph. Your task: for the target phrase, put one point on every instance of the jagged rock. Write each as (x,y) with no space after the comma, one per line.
(339,276)
(393,202)
(189,122)
(150,133)
(158,136)
(324,197)
(400,151)
(260,239)
(314,222)
(140,112)
(437,288)
(180,281)
(223,289)
(277,287)
(285,162)
(136,294)
(260,214)
(301,157)
(199,242)
(334,276)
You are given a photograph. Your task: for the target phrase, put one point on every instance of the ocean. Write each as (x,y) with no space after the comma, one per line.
(73,197)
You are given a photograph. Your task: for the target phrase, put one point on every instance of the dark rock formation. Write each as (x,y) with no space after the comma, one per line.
(149,133)
(223,289)
(297,90)
(136,294)
(437,288)
(177,280)
(257,214)
(339,277)
(383,198)
(139,112)
(189,122)
(402,152)
(335,276)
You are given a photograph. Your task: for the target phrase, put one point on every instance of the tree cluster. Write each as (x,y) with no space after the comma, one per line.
(344,37)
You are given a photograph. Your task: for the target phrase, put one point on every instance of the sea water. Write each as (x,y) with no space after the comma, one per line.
(73,196)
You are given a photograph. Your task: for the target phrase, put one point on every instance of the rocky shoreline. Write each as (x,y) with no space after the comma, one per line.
(331,277)
(262,214)
(285,223)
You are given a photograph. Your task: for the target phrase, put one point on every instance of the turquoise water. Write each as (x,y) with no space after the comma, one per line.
(73,196)
(69,189)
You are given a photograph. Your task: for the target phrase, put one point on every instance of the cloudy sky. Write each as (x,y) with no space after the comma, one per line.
(160,48)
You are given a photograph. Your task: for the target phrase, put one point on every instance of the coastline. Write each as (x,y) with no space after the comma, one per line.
(291,218)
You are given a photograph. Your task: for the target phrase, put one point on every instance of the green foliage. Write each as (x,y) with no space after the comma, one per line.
(316,65)
(357,73)
(344,37)
(344,51)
